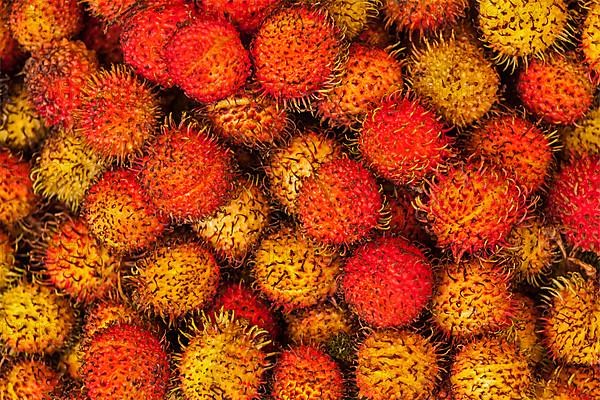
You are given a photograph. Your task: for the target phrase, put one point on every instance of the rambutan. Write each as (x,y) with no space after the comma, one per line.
(106,313)
(246,15)
(125,362)
(376,35)
(11,53)
(554,390)
(397,364)
(317,326)
(584,379)
(304,372)
(590,38)
(387,282)
(403,217)
(370,74)
(7,259)
(104,39)
(120,214)
(71,360)
(419,16)
(112,10)
(17,199)
(351,16)
(21,128)
(340,204)
(187,173)
(294,272)
(524,330)
(28,380)
(573,202)
(297,54)
(583,138)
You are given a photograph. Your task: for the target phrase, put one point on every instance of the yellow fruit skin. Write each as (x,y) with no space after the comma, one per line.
(72,359)
(7,259)
(351,15)
(21,128)
(584,379)
(317,325)
(107,313)
(524,330)
(590,37)
(28,380)
(584,138)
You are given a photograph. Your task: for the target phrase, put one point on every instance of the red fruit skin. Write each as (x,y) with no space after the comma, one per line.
(340,204)
(247,15)
(10,52)
(387,282)
(17,198)
(403,141)
(573,202)
(147,32)
(103,39)
(125,362)
(207,60)
(403,217)
(112,10)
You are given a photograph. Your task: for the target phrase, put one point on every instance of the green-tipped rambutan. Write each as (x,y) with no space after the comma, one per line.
(351,16)
(17,199)
(318,325)
(28,380)
(583,138)
(21,127)
(420,16)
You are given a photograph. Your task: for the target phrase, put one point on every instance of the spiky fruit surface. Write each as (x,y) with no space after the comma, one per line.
(296,55)
(34,319)
(224,360)
(125,362)
(17,199)
(530,250)
(290,165)
(340,204)
(7,259)
(175,279)
(351,16)
(471,298)
(318,325)
(104,39)
(512,143)
(552,390)
(490,369)
(65,168)
(21,128)
(472,208)
(419,16)
(71,360)
(403,217)
(370,74)
(524,329)
(306,373)
(556,89)
(188,174)
(572,322)
(108,313)
(146,33)
(573,202)
(111,10)
(117,114)
(55,76)
(248,119)
(247,305)
(10,52)
(584,379)
(522,28)
(119,214)
(207,60)
(294,272)
(583,138)
(387,282)
(396,364)
(77,264)
(376,35)
(403,141)
(36,22)
(590,37)
(28,380)
(454,77)
(247,15)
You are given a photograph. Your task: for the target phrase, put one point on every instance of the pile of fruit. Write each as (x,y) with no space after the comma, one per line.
(299,199)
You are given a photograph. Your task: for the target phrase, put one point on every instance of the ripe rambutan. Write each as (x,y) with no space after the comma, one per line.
(340,204)
(387,282)
(103,38)
(397,364)
(573,202)
(554,390)
(55,76)
(590,38)
(403,217)
(120,214)
(583,138)
(297,54)
(125,362)
(290,165)
(556,89)
(207,60)
(224,359)
(187,173)
(472,208)
(34,319)
(419,16)
(318,325)
(112,11)
(304,372)
(524,329)
(370,74)
(376,35)
(17,199)
(28,380)
(106,313)
(471,298)
(7,259)
(585,379)
(246,15)
(36,22)
(11,53)
(351,16)
(21,128)
(294,272)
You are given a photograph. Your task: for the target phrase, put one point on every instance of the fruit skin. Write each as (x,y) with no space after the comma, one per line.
(125,362)
(223,359)
(21,128)
(351,16)
(583,138)
(117,114)
(369,75)
(34,319)
(524,331)
(319,325)
(584,379)
(297,54)
(472,208)
(590,37)
(557,89)
(403,141)
(387,282)
(572,202)
(305,373)
(106,313)
(397,364)
(187,173)
(340,204)
(36,22)
(246,15)
(103,38)
(120,214)
(403,219)
(207,60)
(553,390)
(294,272)
(111,10)
(11,53)
(490,369)
(17,199)
(28,379)
(54,78)
(418,16)
(7,259)
(146,33)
